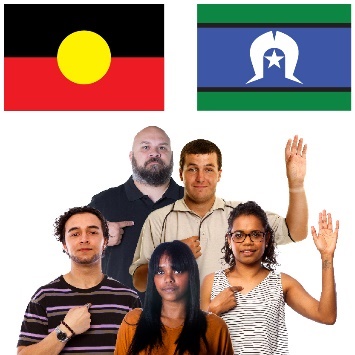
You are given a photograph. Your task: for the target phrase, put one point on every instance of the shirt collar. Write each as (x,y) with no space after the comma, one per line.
(133,193)
(181,206)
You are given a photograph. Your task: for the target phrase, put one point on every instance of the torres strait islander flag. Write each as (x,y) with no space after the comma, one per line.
(274,57)
(84,57)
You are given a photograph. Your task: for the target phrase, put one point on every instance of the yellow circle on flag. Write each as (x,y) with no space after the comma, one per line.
(84,57)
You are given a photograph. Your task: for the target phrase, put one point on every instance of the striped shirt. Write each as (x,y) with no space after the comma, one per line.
(257,323)
(110,302)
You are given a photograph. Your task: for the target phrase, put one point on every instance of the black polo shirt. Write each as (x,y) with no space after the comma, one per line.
(127,203)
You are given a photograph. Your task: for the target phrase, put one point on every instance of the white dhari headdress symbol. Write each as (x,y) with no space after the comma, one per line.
(281,41)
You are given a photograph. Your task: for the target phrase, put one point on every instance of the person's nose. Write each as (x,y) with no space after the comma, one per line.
(200,177)
(247,239)
(84,238)
(155,153)
(169,277)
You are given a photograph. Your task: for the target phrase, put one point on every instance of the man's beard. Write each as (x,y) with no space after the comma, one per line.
(155,175)
(84,261)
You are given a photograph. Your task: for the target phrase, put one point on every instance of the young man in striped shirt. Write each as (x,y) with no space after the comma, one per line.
(79,312)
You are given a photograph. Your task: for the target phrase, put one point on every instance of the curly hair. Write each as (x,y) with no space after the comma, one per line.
(59,224)
(247,209)
(200,146)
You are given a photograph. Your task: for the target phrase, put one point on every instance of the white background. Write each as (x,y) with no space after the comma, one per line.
(51,161)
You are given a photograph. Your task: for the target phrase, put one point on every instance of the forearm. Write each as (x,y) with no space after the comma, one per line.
(140,278)
(327,302)
(50,345)
(217,307)
(297,214)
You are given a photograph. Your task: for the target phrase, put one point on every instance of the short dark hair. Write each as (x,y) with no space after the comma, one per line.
(247,209)
(148,333)
(59,224)
(200,146)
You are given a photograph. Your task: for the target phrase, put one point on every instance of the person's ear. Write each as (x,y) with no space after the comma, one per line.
(130,155)
(219,174)
(180,173)
(65,249)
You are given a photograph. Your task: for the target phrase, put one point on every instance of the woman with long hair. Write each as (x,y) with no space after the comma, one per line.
(171,321)
(250,296)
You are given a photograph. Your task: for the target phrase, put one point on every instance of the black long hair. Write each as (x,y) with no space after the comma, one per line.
(247,209)
(149,328)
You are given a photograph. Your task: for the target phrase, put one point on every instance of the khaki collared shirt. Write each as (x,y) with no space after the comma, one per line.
(177,221)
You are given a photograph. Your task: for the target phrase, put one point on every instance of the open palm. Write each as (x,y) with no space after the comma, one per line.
(326,239)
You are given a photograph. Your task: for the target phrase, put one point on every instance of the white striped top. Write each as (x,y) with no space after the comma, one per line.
(257,323)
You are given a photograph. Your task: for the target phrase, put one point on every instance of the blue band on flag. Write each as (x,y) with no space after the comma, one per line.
(324,58)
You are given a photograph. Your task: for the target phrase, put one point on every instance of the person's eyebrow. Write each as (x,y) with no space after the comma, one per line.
(72,229)
(147,142)
(93,226)
(76,228)
(195,164)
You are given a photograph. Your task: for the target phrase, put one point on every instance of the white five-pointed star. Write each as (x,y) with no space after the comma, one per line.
(274,59)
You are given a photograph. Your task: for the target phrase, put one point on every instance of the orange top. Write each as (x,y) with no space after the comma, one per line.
(217,336)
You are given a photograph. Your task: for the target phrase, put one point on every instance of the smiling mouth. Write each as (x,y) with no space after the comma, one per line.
(247,252)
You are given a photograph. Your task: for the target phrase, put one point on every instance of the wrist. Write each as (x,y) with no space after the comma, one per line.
(62,333)
(296,188)
(68,328)
(213,310)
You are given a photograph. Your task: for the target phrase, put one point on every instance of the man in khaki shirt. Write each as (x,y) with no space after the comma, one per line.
(200,218)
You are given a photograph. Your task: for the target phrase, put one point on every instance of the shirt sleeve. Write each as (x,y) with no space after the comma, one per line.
(126,332)
(278,224)
(146,244)
(34,326)
(218,336)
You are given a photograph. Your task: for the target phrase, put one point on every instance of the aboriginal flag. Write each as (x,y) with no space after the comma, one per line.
(274,57)
(84,57)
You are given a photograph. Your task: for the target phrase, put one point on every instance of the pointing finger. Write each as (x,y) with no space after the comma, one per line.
(126,223)
(236,288)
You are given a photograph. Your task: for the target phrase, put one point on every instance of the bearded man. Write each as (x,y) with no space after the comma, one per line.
(127,206)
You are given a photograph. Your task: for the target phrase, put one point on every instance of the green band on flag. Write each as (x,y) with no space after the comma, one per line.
(272,13)
(275,101)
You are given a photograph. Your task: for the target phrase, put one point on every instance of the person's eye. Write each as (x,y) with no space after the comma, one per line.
(193,170)
(160,272)
(178,271)
(74,234)
(238,235)
(162,148)
(94,232)
(145,147)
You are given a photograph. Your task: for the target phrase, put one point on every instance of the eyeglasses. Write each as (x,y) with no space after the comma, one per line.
(239,237)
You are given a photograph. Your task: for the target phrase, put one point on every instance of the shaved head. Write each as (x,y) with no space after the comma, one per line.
(151,157)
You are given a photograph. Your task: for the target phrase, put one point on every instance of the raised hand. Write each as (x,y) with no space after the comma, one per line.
(326,239)
(295,157)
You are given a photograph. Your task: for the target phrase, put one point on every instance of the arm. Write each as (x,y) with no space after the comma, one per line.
(297,213)
(223,302)
(126,332)
(140,278)
(324,310)
(78,318)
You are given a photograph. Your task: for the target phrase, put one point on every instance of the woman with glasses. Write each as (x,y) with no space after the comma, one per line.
(250,296)
(172,321)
